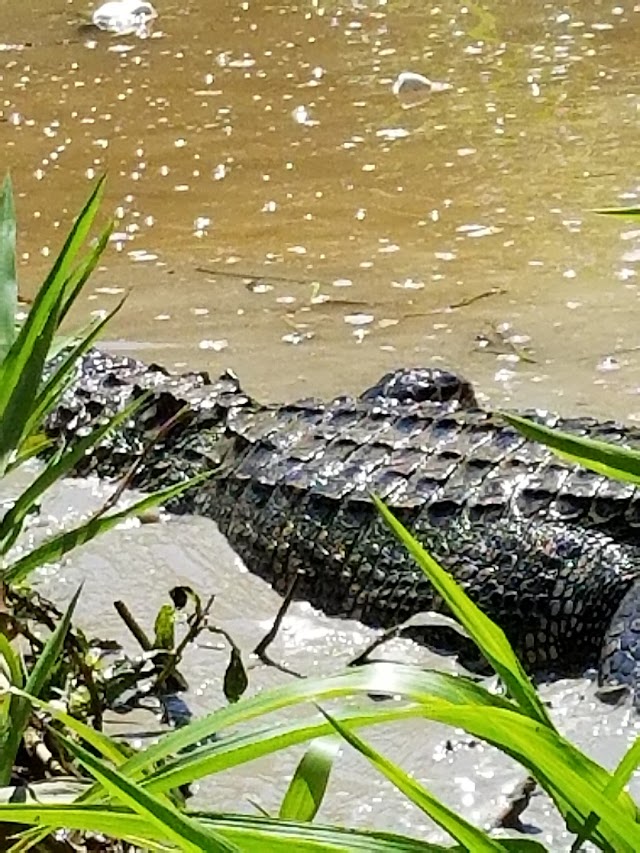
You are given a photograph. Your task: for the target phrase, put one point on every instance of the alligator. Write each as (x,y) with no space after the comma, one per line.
(547,549)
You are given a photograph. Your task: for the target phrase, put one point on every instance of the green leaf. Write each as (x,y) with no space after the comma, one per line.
(307,788)
(607,459)
(106,746)
(20,707)
(32,446)
(8,280)
(468,835)
(164,628)
(80,275)
(49,395)
(489,638)
(631,212)
(187,833)
(558,765)
(620,778)
(235,677)
(250,834)
(56,547)
(21,371)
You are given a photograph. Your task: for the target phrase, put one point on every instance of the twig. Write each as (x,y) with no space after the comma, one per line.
(363,658)
(235,274)
(130,621)
(518,802)
(461,303)
(127,480)
(260,650)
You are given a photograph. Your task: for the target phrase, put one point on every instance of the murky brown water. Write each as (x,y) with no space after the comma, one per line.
(140,563)
(281,212)
(262,141)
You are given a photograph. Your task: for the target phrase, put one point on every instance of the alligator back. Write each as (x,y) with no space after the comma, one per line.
(546,548)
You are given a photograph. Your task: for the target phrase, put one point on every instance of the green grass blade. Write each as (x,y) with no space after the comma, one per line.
(30,447)
(557,764)
(38,677)
(63,465)
(608,459)
(414,684)
(55,548)
(186,832)
(8,279)
(20,377)
(621,776)
(11,671)
(235,749)
(306,790)
(257,835)
(21,370)
(12,660)
(81,274)
(250,834)
(489,638)
(64,375)
(459,829)
(631,212)
(104,745)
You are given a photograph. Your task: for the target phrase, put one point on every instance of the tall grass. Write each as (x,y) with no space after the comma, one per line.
(30,388)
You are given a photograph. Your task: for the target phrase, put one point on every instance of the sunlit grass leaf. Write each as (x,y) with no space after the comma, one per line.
(187,833)
(630,212)
(388,679)
(79,276)
(235,749)
(607,459)
(489,638)
(49,394)
(306,790)
(164,628)
(8,281)
(56,547)
(469,836)
(250,834)
(621,776)
(21,371)
(32,446)
(20,707)
(573,780)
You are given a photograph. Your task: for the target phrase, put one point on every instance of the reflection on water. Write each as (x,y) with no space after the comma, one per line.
(276,200)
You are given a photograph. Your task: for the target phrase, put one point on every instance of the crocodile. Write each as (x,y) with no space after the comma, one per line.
(547,549)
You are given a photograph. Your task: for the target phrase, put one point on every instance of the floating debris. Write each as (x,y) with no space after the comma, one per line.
(125,17)
(216,346)
(297,337)
(413,89)
(358,319)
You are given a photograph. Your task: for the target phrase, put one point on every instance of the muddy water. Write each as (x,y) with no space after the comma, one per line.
(140,563)
(283,212)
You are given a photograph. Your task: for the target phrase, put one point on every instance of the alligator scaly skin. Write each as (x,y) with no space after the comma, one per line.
(547,549)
